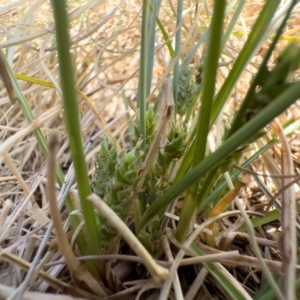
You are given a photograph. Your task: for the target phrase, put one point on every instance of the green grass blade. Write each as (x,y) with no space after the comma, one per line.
(245,55)
(142,88)
(215,195)
(279,104)
(232,22)
(166,37)
(231,289)
(202,128)
(259,76)
(192,52)
(225,37)
(256,221)
(241,63)
(209,78)
(25,107)
(210,180)
(153,12)
(267,293)
(177,50)
(73,123)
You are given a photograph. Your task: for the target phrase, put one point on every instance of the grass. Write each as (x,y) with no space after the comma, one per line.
(217,165)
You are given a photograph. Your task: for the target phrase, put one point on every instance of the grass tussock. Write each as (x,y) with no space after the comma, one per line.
(238,210)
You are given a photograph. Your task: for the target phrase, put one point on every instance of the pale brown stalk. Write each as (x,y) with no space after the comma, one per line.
(78,270)
(169,255)
(166,114)
(35,209)
(6,291)
(158,273)
(287,241)
(54,282)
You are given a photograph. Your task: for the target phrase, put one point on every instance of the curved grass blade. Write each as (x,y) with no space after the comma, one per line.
(231,289)
(166,37)
(247,52)
(232,23)
(279,104)
(245,55)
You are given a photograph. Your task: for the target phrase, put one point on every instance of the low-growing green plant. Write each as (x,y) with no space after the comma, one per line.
(117,189)
(117,176)
(186,90)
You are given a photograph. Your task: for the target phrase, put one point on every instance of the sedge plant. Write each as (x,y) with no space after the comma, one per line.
(172,147)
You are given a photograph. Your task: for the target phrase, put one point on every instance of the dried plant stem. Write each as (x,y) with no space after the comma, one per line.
(11,141)
(78,270)
(195,287)
(256,250)
(6,291)
(287,241)
(181,253)
(20,208)
(38,264)
(158,273)
(165,118)
(220,207)
(8,204)
(169,255)
(89,102)
(39,214)
(232,258)
(54,282)
(247,171)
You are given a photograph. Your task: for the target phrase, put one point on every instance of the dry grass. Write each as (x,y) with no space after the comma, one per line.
(107,61)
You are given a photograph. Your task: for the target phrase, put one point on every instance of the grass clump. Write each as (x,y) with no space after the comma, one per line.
(149,164)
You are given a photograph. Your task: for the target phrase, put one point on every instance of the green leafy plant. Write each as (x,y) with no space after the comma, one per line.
(117,175)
